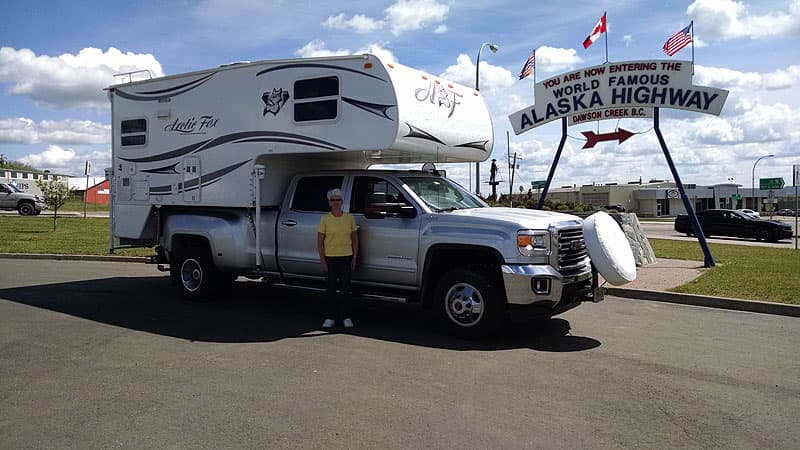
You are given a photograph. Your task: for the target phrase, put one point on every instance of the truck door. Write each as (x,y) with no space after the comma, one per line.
(389,246)
(5,197)
(298,222)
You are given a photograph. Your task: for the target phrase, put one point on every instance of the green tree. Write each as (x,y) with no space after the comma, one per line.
(5,163)
(55,193)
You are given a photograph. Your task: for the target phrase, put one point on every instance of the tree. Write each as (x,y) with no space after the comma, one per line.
(55,194)
(5,163)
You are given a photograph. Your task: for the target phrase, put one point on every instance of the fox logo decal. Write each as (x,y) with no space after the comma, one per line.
(274,100)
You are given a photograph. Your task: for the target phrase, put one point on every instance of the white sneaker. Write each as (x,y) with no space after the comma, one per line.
(348,323)
(328,323)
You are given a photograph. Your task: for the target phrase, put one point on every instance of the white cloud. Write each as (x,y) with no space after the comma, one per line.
(69,81)
(729,19)
(400,17)
(732,79)
(409,15)
(627,40)
(20,130)
(554,60)
(68,161)
(317,48)
(492,78)
(358,23)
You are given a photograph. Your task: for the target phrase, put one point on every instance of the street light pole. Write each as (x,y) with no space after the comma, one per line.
(753,180)
(494,49)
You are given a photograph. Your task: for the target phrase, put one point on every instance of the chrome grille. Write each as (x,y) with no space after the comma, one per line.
(571,249)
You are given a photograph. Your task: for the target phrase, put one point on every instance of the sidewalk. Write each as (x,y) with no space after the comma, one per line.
(653,281)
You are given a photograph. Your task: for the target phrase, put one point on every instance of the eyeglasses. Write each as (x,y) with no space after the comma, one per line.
(335,200)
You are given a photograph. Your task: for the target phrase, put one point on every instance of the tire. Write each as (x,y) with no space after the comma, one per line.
(470,303)
(194,275)
(26,209)
(762,235)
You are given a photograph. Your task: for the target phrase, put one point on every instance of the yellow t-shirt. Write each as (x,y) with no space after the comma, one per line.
(337,234)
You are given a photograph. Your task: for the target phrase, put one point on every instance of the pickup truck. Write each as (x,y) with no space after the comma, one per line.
(423,238)
(26,204)
(729,222)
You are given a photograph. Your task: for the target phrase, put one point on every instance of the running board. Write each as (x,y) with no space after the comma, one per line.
(365,296)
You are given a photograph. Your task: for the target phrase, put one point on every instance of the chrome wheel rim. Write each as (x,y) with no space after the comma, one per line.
(464,305)
(26,210)
(191,275)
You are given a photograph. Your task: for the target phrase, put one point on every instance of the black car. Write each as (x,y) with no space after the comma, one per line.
(728,222)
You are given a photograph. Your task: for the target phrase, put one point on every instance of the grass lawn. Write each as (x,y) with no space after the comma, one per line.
(73,236)
(760,273)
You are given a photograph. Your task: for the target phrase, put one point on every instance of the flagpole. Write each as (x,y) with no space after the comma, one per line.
(691,28)
(606,33)
(534,75)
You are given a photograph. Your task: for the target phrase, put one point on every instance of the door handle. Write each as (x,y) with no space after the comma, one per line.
(289,223)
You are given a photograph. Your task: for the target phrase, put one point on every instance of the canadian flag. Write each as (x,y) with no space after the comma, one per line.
(599,29)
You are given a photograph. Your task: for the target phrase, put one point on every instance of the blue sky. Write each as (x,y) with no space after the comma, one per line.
(56,57)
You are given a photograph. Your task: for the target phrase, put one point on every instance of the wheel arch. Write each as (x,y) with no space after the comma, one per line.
(443,258)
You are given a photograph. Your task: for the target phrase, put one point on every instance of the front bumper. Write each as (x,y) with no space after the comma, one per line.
(40,206)
(539,291)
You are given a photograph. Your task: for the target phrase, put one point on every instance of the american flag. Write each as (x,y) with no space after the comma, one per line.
(527,69)
(677,41)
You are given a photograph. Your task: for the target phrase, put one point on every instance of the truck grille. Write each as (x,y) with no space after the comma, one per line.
(571,250)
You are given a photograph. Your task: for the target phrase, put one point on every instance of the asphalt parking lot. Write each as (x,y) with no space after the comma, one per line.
(97,354)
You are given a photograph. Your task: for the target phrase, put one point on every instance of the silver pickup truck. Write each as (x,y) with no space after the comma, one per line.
(24,203)
(423,238)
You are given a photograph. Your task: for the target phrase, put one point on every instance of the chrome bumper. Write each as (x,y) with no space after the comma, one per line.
(532,284)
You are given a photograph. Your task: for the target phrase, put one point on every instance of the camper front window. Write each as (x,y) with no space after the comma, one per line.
(316,99)
(133,132)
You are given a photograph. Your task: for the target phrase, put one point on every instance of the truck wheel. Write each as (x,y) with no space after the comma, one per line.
(194,275)
(26,209)
(469,303)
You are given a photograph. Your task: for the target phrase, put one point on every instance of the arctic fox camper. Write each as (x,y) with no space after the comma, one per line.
(224,171)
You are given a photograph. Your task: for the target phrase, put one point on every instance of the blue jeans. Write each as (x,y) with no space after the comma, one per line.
(337,306)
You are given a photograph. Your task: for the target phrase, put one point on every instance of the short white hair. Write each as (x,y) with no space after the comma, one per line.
(335,193)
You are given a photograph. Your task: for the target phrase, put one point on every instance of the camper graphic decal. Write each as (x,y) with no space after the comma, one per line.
(238,138)
(170,169)
(205,180)
(316,66)
(274,100)
(415,132)
(374,108)
(480,145)
(192,125)
(440,96)
(146,96)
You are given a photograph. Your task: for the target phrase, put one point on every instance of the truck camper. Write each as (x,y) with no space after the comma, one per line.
(224,171)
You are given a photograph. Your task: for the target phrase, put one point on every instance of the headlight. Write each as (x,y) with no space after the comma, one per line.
(533,242)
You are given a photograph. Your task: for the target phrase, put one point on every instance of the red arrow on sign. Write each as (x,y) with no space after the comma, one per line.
(593,138)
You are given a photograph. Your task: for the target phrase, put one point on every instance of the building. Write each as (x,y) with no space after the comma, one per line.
(662,198)
(25,181)
(97,192)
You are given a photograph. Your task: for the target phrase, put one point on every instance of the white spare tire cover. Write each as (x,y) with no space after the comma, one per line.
(609,249)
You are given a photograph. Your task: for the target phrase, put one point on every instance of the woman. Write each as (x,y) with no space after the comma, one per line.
(337,243)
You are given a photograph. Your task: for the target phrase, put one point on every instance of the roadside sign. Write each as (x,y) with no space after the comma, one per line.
(796,175)
(736,196)
(537,184)
(770,183)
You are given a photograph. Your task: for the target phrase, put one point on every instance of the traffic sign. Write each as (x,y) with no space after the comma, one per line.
(770,183)
(537,184)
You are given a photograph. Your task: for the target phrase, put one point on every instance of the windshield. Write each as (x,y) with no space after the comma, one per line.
(442,194)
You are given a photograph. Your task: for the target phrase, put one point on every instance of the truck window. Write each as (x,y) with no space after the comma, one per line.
(369,190)
(133,132)
(311,193)
(316,99)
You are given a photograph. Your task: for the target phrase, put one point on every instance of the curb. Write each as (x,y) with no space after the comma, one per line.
(781,309)
(57,257)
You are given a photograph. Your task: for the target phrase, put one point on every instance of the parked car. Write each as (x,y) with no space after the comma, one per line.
(751,212)
(786,212)
(26,204)
(729,222)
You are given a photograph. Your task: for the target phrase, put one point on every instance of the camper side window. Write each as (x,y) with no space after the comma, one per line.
(133,132)
(316,99)
(310,193)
